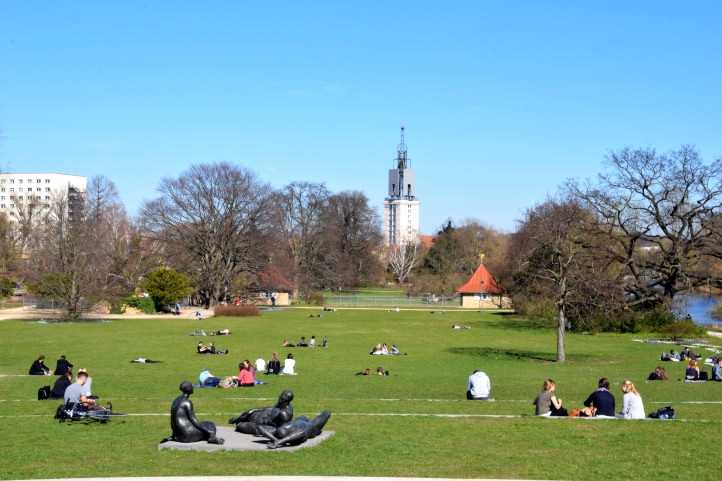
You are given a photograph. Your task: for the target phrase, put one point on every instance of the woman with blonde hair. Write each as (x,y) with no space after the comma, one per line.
(692,371)
(547,403)
(633,408)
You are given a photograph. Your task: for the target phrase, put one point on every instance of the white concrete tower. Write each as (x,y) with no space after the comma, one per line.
(401,209)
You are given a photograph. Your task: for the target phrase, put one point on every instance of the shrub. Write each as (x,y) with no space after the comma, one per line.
(314,298)
(684,328)
(244,310)
(166,286)
(7,287)
(144,304)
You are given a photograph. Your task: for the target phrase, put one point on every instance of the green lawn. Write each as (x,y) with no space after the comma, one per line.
(430,380)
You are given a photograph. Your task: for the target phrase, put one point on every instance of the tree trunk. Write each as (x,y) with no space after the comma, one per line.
(561,331)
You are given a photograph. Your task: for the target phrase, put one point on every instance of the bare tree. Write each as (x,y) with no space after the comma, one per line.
(550,244)
(217,215)
(660,217)
(402,260)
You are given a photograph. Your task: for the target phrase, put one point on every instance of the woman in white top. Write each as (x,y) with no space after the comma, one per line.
(289,366)
(633,408)
(260,365)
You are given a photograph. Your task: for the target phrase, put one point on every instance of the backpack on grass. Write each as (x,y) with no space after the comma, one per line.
(666,412)
(44,393)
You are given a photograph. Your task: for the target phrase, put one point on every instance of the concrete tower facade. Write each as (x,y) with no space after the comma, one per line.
(401,207)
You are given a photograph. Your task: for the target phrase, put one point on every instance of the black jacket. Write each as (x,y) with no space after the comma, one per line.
(603,400)
(38,368)
(61,367)
(61,384)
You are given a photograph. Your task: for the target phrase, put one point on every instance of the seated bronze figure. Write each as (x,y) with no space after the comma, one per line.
(185,426)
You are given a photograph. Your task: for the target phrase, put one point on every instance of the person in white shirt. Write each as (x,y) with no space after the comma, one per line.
(479,386)
(633,408)
(312,342)
(289,366)
(260,365)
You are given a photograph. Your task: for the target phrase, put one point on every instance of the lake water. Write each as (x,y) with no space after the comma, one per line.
(697,306)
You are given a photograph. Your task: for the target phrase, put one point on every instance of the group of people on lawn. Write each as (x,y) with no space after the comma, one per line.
(304,343)
(692,372)
(247,372)
(77,392)
(600,403)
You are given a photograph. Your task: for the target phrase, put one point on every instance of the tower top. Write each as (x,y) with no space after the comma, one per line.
(402,161)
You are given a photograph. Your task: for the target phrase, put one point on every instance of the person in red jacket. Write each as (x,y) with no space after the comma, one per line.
(247,374)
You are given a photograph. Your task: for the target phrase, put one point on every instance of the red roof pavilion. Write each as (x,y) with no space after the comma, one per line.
(481,282)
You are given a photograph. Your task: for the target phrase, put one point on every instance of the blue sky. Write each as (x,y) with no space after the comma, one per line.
(502,100)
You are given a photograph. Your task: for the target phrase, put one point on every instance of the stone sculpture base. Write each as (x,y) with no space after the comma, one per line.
(240,442)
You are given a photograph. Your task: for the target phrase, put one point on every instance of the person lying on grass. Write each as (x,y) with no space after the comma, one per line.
(547,403)
(601,401)
(38,367)
(285,343)
(207,379)
(380,371)
(478,387)
(632,406)
(209,349)
(144,360)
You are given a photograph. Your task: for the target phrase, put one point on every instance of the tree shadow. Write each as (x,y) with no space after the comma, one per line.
(513,354)
(514,321)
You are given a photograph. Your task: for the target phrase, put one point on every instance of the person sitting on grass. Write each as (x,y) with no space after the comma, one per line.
(302,342)
(61,384)
(260,364)
(659,374)
(380,371)
(246,375)
(79,392)
(716,369)
(670,356)
(547,403)
(601,401)
(394,350)
(274,365)
(62,366)
(692,371)
(38,367)
(312,342)
(632,406)
(289,366)
(324,343)
(478,387)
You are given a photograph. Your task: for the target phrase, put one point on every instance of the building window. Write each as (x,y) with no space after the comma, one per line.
(12,181)
(12,189)
(47,181)
(47,197)
(2,206)
(47,189)
(38,181)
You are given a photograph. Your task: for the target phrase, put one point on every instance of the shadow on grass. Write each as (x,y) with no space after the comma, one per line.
(514,321)
(515,354)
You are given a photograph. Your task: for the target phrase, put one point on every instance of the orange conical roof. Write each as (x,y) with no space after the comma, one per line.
(481,282)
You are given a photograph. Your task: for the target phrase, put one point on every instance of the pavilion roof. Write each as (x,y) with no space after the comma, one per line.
(481,282)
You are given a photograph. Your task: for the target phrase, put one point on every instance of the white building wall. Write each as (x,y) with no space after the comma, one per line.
(401,222)
(19,189)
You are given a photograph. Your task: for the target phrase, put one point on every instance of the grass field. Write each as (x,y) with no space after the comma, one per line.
(384,426)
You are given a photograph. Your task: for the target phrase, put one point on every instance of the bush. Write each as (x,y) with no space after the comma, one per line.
(7,287)
(684,328)
(166,286)
(144,304)
(314,298)
(244,310)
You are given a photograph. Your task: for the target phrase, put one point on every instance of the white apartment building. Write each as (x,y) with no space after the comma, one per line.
(19,191)
(401,208)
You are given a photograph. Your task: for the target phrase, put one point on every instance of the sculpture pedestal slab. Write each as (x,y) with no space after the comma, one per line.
(241,442)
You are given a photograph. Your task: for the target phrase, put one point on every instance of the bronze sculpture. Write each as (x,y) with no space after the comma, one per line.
(274,417)
(185,426)
(296,432)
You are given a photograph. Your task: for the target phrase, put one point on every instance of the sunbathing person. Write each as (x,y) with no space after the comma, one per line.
(61,384)
(692,371)
(365,372)
(671,356)
(274,365)
(285,343)
(460,327)
(547,403)
(207,379)
(38,368)
(478,387)
(144,360)
(209,349)
(601,401)
(222,332)
(633,408)
(302,342)
(62,366)
(246,374)
(289,366)
(79,392)
(659,374)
